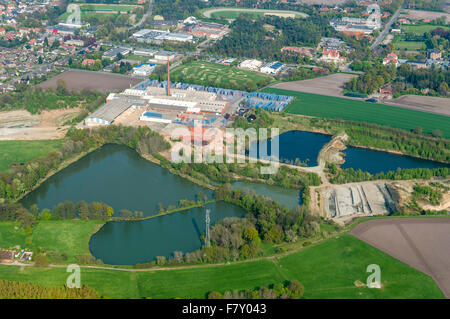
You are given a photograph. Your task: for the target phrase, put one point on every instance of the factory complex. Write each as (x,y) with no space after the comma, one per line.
(152,102)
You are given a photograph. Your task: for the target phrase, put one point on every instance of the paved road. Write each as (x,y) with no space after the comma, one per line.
(387,27)
(144,17)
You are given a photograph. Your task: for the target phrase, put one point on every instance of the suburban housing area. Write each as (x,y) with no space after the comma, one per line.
(224,149)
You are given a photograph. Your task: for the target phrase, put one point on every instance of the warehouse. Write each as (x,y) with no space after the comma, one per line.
(143,69)
(109,112)
(271,67)
(112,53)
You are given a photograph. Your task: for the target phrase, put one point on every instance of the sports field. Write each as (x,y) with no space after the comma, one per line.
(212,74)
(233,13)
(335,268)
(422,28)
(98,9)
(409,45)
(23,151)
(360,111)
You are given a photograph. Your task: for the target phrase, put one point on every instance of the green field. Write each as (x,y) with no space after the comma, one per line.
(137,57)
(112,7)
(23,151)
(88,10)
(226,13)
(212,74)
(69,236)
(409,45)
(422,28)
(360,111)
(327,270)
(234,14)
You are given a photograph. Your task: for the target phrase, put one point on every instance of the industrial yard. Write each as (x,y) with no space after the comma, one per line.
(165,105)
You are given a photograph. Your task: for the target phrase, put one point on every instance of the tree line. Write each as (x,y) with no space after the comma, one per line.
(23,290)
(349,175)
(248,37)
(35,99)
(288,290)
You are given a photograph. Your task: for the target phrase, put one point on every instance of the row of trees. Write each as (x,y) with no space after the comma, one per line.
(289,290)
(22,290)
(224,173)
(372,80)
(349,175)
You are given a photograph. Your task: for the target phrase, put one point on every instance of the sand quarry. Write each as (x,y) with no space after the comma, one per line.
(22,125)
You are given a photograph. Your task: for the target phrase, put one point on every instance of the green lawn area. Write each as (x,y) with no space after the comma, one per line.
(226,13)
(137,57)
(113,7)
(409,45)
(67,236)
(422,28)
(23,151)
(327,270)
(234,14)
(212,74)
(88,10)
(360,111)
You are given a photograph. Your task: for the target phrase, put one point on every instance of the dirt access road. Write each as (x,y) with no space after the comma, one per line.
(422,243)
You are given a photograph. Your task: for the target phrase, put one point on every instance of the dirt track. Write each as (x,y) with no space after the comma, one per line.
(22,125)
(77,80)
(423,243)
(327,85)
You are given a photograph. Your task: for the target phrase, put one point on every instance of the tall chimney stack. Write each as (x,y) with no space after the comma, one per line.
(168,77)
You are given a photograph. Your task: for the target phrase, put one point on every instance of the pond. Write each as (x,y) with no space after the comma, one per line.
(118,176)
(131,242)
(290,198)
(301,145)
(378,161)
(306,146)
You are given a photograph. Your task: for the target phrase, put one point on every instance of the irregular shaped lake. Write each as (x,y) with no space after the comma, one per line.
(132,242)
(118,176)
(378,161)
(301,145)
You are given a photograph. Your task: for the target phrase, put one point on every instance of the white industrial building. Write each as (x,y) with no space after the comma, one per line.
(271,67)
(143,69)
(251,64)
